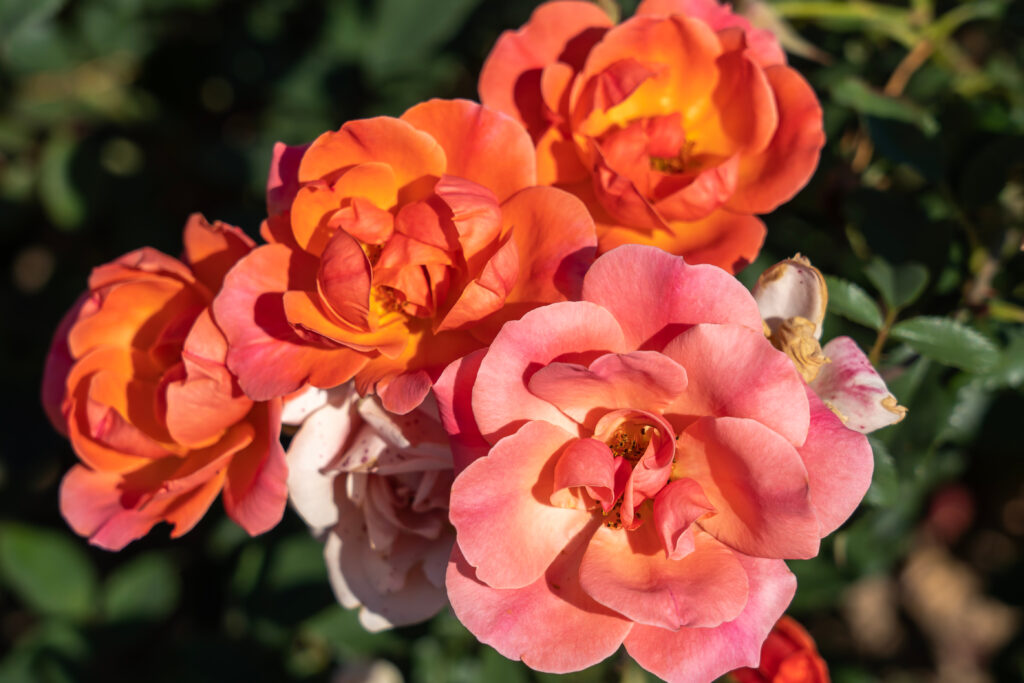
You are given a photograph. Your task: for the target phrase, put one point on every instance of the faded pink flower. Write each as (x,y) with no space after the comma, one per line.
(374,486)
(792,297)
(633,469)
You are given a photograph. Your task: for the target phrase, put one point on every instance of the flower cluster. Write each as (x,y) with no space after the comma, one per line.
(518,373)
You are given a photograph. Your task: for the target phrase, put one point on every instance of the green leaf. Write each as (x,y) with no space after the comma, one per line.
(17,14)
(297,560)
(885,484)
(47,570)
(820,581)
(496,669)
(407,32)
(852,92)
(340,630)
(948,342)
(900,286)
(1009,371)
(969,406)
(60,198)
(852,302)
(145,589)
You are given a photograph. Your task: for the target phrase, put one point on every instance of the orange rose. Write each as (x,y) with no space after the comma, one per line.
(136,379)
(787,656)
(397,246)
(675,127)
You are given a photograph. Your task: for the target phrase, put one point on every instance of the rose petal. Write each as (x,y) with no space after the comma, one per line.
(654,295)
(725,239)
(413,155)
(555,237)
(763,44)
(454,390)
(757,483)
(641,380)
(265,354)
(697,655)
(569,331)
(839,465)
(589,463)
(676,508)
(771,178)
(316,445)
(255,488)
(481,145)
(789,289)
(763,386)
(627,571)
(500,508)
(551,624)
(58,364)
(350,560)
(283,179)
(556,31)
(850,385)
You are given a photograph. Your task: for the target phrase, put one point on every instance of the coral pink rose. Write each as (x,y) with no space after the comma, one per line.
(136,379)
(789,655)
(675,127)
(792,297)
(374,486)
(633,469)
(397,246)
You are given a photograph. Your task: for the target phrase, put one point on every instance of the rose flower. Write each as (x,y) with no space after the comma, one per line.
(792,297)
(136,379)
(633,469)
(396,246)
(675,127)
(789,655)
(374,486)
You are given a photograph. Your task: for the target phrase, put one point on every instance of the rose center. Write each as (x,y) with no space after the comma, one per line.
(630,441)
(680,163)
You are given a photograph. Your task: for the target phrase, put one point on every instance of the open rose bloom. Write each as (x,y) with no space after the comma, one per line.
(634,469)
(675,127)
(397,246)
(136,378)
(374,486)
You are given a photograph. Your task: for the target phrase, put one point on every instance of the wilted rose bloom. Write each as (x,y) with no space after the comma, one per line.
(675,127)
(398,245)
(633,469)
(792,297)
(136,379)
(374,486)
(789,655)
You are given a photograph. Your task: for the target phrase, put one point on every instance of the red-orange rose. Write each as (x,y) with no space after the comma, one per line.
(397,246)
(675,127)
(136,378)
(787,656)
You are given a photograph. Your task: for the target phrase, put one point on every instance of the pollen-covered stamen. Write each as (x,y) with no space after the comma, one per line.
(630,441)
(613,518)
(389,299)
(680,163)
(372,251)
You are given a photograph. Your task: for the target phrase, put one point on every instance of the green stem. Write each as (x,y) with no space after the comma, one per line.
(893,21)
(883,334)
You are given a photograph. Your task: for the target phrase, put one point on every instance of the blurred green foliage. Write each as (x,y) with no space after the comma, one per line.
(118,118)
